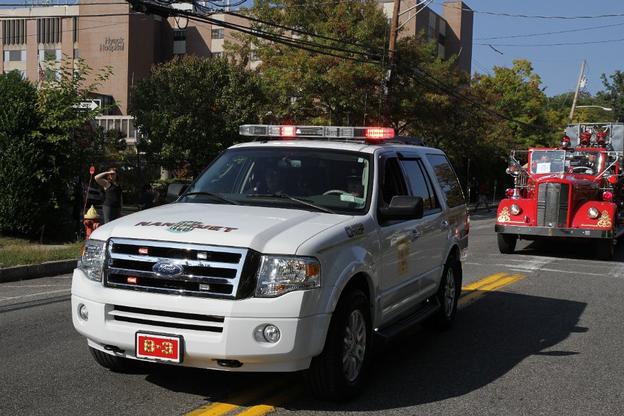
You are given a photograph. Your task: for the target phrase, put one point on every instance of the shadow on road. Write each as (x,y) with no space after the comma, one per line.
(566,248)
(490,338)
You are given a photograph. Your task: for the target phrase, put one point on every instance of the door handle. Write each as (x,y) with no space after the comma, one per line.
(444,224)
(415,234)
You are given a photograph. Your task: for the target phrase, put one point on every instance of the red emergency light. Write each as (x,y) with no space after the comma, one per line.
(369,134)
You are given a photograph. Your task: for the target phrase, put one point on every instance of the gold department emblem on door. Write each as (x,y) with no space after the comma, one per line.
(605,220)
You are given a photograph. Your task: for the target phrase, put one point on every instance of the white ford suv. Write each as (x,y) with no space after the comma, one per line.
(291,252)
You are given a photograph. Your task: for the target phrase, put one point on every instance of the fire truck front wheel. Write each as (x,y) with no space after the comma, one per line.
(507,243)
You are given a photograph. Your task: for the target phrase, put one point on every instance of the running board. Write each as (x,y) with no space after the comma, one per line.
(423,312)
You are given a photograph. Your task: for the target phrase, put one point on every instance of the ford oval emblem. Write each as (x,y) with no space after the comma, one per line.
(167,269)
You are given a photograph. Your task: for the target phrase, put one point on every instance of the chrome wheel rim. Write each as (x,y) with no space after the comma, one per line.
(450,291)
(354,347)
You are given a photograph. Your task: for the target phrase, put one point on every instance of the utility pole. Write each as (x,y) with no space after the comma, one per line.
(578,87)
(394,32)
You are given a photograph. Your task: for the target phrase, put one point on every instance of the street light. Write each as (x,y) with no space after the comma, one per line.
(595,106)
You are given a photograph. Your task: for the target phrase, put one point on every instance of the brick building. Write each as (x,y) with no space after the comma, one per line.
(35,40)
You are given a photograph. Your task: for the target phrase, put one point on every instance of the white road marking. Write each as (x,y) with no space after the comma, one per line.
(18,286)
(37,294)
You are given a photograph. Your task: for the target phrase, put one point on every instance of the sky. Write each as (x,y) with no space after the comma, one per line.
(558,66)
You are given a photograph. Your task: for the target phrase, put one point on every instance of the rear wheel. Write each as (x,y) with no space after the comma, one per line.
(111,362)
(339,373)
(447,296)
(507,243)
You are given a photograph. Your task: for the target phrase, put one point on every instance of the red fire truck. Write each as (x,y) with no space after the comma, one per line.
(573,191)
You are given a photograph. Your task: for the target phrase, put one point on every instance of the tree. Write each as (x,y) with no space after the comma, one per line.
(42,131)
(305,87)
(190,109)
(613,94)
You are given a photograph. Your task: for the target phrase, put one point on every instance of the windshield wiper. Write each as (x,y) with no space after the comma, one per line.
(292,198)
(215,196)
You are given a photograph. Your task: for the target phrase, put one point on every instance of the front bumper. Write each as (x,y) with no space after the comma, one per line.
(553,232)
(301,337)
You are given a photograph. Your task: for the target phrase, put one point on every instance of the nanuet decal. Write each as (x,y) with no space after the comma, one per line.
(185,226)
(354,230)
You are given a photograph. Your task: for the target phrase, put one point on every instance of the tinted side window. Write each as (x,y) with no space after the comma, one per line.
(420,184)
(393,182)
(447,179)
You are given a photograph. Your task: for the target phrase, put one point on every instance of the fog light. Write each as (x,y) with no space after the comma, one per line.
(515,210)
(593,213)
(267,333)
(271,333)
(83,312)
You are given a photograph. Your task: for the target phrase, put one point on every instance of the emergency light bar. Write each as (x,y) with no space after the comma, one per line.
(373,134)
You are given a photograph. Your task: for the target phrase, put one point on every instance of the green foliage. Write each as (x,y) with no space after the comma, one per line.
(191,108)
(613,95)
(41,132)
(306,87)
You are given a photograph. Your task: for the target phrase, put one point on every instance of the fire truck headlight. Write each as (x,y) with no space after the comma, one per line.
(593,213)
(280,275)
(515,210)
(92,259)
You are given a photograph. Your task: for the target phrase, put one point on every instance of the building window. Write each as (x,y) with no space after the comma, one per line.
(76,29)
(14,32)
(49,30)
(15,56)
(48,55)
(253,56)
(179,42)
(218,33)
(76,53)
(432,26)
(217,54)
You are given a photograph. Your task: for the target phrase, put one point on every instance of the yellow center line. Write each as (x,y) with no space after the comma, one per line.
(229,405)
(484,286)
(276,400)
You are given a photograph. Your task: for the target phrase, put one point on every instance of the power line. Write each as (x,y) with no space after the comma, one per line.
(534,45)
(533,16)
(528,35)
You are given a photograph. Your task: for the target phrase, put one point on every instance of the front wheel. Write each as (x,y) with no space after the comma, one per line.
(339,373)
(605,250)
(507,243)
(111,362)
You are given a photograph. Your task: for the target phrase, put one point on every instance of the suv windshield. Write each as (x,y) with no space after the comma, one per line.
(311,179)
(548,161)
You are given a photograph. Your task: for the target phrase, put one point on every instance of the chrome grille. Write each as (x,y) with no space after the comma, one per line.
(199,270)
(552,205)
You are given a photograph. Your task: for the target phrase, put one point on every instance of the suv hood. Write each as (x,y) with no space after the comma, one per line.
(264,229)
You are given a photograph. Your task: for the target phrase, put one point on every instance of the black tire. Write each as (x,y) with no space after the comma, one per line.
(507,243)
(605,250)
(447,296)
(111,362)
(327,376)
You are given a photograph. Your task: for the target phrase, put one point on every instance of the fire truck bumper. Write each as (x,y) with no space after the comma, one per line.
(553,232)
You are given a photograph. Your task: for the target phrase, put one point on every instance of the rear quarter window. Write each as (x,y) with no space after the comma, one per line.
(448,180)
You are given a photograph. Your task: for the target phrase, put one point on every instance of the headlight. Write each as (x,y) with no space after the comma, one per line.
(280,275)
(92,259)
(515,210)
(593,213)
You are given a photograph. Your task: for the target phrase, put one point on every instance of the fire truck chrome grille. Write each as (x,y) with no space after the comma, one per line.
(178,320)
(552,205)
(174,268)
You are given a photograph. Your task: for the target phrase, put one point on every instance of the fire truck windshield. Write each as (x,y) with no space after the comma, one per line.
(586,162)
(548,161)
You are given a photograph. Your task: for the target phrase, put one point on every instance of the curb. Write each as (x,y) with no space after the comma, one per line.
(34,271)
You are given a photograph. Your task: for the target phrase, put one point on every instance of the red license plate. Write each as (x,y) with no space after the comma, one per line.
(159,347)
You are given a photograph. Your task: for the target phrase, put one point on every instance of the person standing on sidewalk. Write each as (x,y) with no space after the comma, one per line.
(112,194)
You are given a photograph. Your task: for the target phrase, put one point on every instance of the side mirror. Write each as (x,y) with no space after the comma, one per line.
(402,208)
(514,168)
(174,190)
